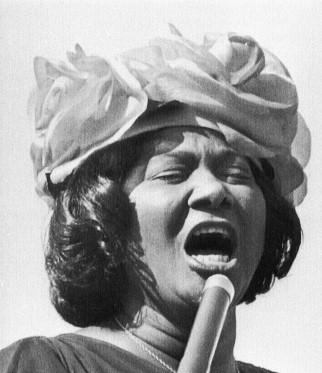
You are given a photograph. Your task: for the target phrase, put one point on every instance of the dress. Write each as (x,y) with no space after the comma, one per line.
(73,353)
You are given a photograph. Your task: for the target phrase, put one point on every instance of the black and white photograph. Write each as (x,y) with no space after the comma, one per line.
(160,194)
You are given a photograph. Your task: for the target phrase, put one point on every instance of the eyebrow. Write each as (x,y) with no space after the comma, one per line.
(189,156)
(179,155)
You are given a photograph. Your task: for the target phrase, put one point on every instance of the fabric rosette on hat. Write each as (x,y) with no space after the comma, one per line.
(231,84)
(79,110)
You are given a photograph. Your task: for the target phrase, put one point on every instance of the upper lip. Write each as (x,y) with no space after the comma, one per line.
(222,227)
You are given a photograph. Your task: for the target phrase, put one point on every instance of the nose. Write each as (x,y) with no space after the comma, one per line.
(208,192)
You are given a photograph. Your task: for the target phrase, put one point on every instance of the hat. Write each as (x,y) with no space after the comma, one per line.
(234,85)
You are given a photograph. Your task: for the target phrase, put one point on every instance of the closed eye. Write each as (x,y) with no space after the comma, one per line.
(172,176)
(237,175)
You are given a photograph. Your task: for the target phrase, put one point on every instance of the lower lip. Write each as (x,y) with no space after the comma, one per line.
(213,264)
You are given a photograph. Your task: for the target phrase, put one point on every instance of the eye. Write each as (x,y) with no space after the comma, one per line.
(237,175)
(172,176)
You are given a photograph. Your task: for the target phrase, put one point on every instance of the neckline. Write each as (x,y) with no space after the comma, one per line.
(121,350)
(110,345)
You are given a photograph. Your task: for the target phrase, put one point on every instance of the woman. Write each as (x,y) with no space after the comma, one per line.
(162,166)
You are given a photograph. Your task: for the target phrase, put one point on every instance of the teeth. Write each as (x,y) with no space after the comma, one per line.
(210,259)
(210,243)
(205,230)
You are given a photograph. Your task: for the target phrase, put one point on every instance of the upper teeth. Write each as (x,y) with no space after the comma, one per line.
(207,230)
(211,259)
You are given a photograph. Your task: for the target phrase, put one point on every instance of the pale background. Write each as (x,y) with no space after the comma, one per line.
(281,330)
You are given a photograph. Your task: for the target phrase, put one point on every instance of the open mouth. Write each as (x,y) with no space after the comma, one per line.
(209,245)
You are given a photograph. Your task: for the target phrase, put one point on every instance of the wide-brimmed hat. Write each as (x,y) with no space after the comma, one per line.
(229,82)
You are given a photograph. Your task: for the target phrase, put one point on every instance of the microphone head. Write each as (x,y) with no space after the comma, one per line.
(221,281)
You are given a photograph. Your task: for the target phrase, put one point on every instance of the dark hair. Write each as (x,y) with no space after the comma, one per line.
(88,235)
(87,238)
(283,235)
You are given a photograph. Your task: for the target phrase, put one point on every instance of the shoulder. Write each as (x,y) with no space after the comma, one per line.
(35,354)
(249,368)
(69,353)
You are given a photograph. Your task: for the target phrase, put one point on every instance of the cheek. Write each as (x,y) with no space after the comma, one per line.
(254,207)
(252,211)
(257,212)
(160,214)
(158,221)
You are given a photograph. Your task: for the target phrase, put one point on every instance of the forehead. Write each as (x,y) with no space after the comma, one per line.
(186,140)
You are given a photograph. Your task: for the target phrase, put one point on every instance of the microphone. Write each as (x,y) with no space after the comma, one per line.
(216,298)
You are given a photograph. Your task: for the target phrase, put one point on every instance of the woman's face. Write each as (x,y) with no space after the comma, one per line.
(199,212)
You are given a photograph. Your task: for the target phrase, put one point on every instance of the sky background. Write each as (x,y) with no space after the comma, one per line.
(282,330)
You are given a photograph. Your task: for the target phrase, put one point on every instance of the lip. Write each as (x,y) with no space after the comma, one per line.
(216,266)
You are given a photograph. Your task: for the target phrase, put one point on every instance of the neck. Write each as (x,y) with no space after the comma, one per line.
(169,340)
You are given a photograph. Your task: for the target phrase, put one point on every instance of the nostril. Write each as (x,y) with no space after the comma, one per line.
(208,196)
(200,204)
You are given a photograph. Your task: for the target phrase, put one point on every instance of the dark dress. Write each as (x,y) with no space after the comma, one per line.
(73,353)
